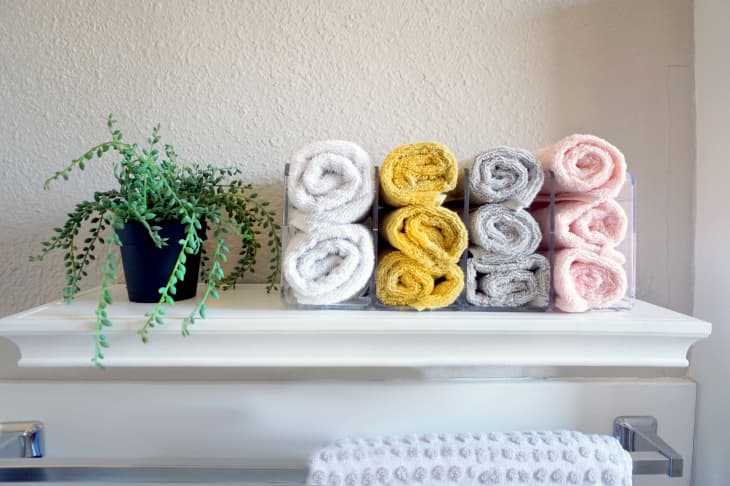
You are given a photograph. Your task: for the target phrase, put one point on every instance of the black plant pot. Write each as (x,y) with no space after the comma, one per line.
(147,268)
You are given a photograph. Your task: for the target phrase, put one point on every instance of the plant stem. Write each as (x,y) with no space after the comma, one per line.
(154,317)
(105,298)
(63,173)
(213,277)
(79,268)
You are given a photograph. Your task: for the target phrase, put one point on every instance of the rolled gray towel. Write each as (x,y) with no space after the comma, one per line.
(523,282)
(504,234)
(505,175)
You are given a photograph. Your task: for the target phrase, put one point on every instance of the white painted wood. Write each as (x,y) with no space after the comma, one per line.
(261,424)
(711,361)
(250,328)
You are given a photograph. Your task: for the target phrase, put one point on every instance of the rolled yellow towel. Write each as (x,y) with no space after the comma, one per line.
(401,280)
(435,236)
(418,173)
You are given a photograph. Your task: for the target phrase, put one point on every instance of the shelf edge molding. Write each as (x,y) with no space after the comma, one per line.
(249,328)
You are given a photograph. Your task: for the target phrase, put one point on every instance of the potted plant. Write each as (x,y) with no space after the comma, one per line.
(159,216)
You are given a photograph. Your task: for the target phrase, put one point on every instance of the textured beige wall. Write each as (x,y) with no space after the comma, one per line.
(248,82)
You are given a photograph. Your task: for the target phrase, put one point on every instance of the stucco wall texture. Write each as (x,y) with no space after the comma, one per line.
(248,82)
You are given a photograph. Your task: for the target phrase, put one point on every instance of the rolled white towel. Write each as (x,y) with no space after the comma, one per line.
(330,182)
(515,458)
(505,234)
(329,265)
(521,282)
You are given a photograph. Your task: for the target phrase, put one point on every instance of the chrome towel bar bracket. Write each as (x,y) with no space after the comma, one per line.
(638,434)
(21,439)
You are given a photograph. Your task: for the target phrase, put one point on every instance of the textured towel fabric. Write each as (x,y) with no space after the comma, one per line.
(434,236)
(330,182)
(522,282)
(419,173)
(517,458)
(585,280)
(585,168)
(329,265)
(595,225)
(403,281)
(505,175)
(505,234)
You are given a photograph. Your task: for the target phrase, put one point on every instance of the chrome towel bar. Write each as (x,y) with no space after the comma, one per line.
(21,451)
(37,472)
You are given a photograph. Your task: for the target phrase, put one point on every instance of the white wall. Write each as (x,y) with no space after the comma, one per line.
(710,358)
(284,423)
(248,82)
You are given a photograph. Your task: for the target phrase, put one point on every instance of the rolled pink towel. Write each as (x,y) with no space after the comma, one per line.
(592,225)
(584,280)
(586,167)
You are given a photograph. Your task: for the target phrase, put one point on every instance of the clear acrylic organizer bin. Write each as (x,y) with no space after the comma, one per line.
(627,200)
(381,244)
(367,299)
(547,253)
(361,301)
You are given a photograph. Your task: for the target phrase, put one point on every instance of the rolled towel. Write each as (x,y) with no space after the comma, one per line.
(330,182)
(433,235)
(584,280)
(418,173)
(592,225)
(585,167)
(329,265)
(505,175)
(522,282)
(505,234)
(403,281)
(515,458)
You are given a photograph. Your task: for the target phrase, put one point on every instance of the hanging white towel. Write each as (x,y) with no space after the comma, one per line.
(518,458)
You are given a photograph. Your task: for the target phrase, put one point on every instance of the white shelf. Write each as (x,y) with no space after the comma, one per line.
(249,328)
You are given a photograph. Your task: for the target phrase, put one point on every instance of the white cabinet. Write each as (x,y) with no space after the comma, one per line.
(260,385)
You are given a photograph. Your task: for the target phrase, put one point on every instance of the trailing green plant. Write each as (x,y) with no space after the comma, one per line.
(154,188)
